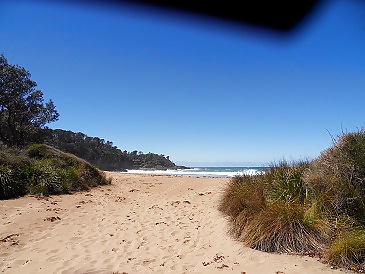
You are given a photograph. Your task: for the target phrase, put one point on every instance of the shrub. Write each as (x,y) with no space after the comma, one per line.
(39,151)
(40,177)
(348,250)
(337,177)
(10,185)
(69,178)
(13,158)
(285,181)
(272,211)
(43,170)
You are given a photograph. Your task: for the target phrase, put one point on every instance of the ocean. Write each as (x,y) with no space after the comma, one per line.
(223,172)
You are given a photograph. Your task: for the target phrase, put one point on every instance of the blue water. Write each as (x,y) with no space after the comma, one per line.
(225,172)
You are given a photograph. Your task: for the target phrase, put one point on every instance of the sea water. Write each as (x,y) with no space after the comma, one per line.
(225,172)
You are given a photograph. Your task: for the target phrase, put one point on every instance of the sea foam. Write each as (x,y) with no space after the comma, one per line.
(225,172)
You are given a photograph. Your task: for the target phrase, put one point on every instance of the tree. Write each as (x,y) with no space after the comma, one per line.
(23,113)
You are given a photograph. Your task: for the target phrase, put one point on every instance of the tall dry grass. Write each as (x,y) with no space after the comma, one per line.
(270,211)
(348,249)
(305,207)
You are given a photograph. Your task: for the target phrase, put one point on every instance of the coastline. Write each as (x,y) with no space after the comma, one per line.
(139,224)
(212,172)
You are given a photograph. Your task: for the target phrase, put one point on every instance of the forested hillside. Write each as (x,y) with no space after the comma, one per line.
(104,154)
(24,116)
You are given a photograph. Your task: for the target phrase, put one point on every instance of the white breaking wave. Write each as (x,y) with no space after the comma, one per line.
(196,172)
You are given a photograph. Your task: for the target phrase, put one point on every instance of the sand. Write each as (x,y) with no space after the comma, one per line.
(139,224)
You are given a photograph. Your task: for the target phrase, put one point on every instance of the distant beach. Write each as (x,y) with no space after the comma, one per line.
(139,224)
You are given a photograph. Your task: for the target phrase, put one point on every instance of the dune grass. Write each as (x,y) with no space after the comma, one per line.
(44,170)
(348,249)
(305,207)
(270,212)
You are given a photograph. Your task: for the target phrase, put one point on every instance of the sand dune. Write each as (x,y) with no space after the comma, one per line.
(139,224)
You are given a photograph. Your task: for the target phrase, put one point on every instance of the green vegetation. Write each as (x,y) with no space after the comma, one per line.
(348,249)
(104,154)
(39,169)
(30,168)
(271,212)
(43,170)
(22,111)
(305,207)
(23,119)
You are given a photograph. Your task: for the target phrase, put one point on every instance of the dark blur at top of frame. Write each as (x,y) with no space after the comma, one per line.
(274,15)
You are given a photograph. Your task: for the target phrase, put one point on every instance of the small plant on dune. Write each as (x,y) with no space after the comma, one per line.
(39,151)
(13,158)
(6,182)
(285,183)
(41,178)
(69,179)
(242,193)
(243,198)
(337,177)
(10,186)
(348,250)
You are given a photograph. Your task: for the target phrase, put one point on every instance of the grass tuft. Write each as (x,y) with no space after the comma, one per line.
(243,193)
(283,227)
(348,250)
(270,211)
(285,182)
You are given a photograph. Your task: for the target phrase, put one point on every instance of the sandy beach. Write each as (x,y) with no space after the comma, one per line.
(139,224)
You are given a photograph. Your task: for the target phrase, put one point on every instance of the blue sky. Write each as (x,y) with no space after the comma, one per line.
(202,92)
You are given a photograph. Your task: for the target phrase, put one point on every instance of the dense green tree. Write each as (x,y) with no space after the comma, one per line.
(23,112)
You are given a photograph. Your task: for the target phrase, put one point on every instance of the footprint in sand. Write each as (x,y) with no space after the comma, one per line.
(174,233)
(148,261)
